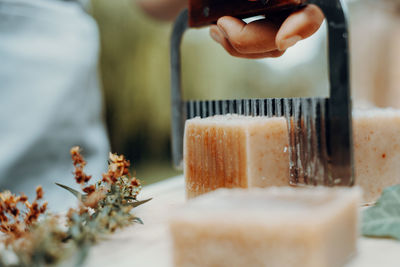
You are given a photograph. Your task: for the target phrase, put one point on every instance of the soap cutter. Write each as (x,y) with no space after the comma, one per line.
(320,129)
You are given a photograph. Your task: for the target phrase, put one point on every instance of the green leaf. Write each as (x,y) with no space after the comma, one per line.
(83,252)
(383,219)
(138,203)
(77,194)
(137,220)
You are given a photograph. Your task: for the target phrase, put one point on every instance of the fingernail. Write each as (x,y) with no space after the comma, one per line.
(289,42)
(214,32)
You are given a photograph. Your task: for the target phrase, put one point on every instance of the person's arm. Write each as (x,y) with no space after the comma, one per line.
(258,39)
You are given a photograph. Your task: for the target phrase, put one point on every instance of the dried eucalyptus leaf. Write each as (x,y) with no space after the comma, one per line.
(383,219)
(138,203)
(76,193)
(71,190)
(137,220)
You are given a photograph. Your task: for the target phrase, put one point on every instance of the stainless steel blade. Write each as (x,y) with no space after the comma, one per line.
(305,121)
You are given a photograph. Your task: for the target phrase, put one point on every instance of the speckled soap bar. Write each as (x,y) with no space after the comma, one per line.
(239,151)
(274,227)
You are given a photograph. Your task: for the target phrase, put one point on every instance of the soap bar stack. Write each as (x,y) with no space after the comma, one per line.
(274,227)
(239,151)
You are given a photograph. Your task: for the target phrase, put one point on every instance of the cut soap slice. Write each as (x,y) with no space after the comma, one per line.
(274,227)
(234,151)
(238,151)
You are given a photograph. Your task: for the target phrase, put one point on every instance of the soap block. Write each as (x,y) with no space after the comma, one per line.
(242,151)
(235,151)
(376,150)
(274,227)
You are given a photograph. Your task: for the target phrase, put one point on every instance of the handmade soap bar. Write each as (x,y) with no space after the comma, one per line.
(238,151)
(235,151)
(274,227)
(376,150)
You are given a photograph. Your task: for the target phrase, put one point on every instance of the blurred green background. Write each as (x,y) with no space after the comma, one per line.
(135,76)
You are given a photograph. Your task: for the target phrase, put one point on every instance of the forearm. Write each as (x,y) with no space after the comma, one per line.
(162,9)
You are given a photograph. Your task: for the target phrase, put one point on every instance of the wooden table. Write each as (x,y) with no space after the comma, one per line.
(150,244)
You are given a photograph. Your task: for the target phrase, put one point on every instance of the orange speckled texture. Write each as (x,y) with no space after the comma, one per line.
(267,159)
(376,150)
(214,157)
(234,151)
(238,151)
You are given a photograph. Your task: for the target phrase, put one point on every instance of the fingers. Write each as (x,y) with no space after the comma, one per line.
(266,38)
(298,26)
(219,37)
(251,40)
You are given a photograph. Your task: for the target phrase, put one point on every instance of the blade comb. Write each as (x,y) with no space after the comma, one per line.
(320,129)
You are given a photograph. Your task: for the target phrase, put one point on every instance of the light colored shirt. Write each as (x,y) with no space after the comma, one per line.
(49,97)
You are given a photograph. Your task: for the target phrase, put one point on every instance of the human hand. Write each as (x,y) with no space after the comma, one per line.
(266,38)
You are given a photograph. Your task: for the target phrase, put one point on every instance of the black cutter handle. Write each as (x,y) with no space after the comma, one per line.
(204,12)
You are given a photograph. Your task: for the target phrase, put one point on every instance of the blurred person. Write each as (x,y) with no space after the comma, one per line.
(50,98)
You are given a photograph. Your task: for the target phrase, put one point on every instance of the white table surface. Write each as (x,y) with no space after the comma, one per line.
(150,244)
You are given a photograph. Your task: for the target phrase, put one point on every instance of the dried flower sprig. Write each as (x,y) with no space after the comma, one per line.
(43,245)
(103,207)
(17,214)
(32,242)
(79,163)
